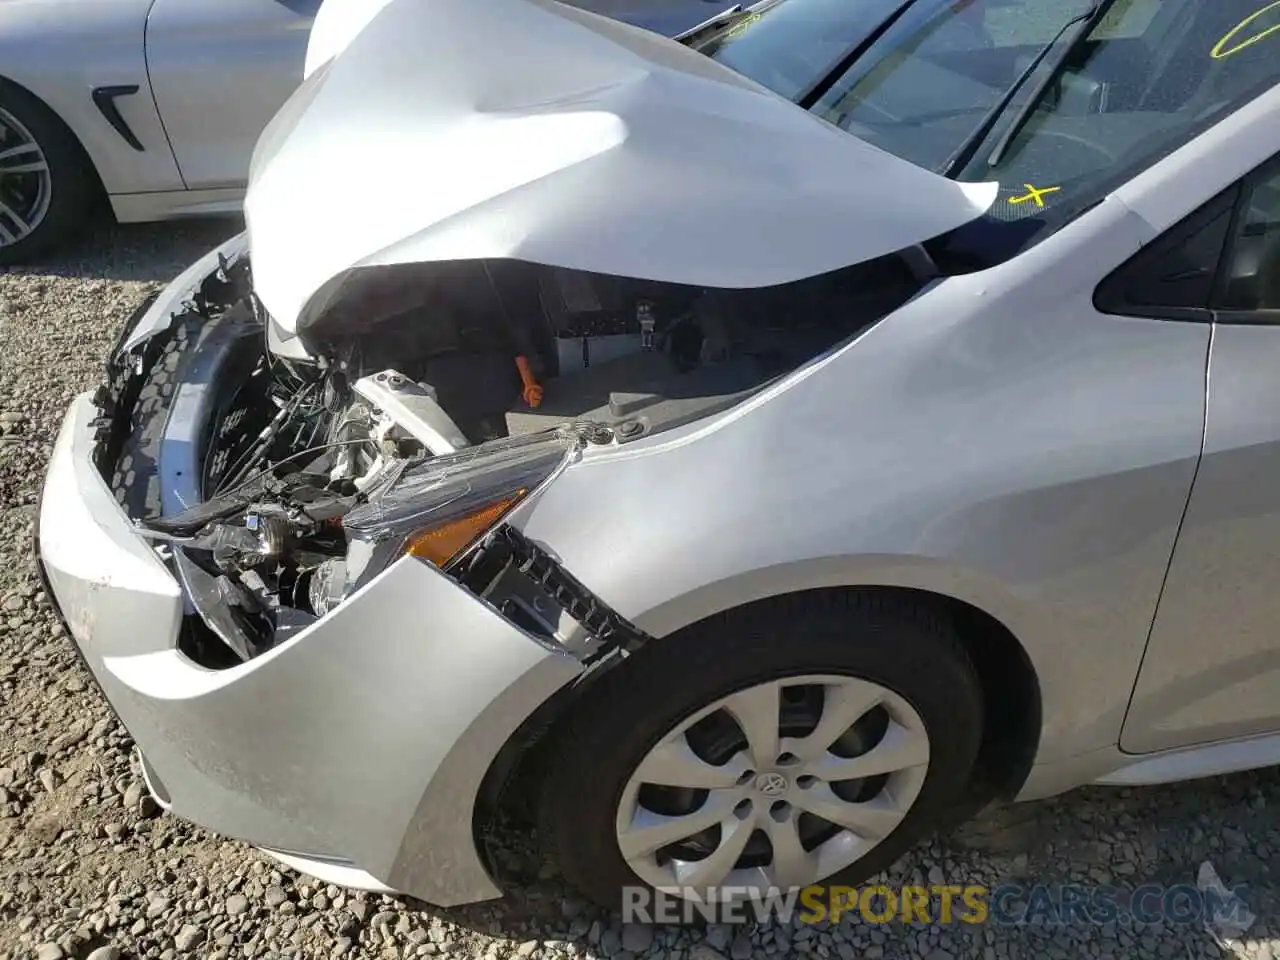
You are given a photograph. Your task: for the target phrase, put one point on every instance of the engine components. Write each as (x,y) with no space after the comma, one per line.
(401,404)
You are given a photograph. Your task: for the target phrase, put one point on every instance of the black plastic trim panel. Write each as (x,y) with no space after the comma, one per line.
(117,396)
(614,631)
(1152,281)
(127,328)
(104,98)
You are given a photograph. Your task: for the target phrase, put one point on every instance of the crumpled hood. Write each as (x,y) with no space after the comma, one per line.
(454,129)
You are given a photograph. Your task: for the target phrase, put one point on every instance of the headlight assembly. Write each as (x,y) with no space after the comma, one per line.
(434,511)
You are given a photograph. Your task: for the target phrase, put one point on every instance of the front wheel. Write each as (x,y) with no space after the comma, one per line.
(810,740)
(46,185)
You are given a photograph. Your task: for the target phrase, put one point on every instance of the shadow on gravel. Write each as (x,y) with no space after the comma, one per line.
(137,252)
(1094,837)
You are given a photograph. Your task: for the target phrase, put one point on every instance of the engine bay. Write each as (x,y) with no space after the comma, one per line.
(511,348)
(436,398)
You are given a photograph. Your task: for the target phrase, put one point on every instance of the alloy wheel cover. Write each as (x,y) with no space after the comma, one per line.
(768,785)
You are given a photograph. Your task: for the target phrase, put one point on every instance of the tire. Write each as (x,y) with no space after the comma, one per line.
(52,208)
(849,639)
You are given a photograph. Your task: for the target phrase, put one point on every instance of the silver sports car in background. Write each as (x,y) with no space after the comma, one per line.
(154,105)
(753,450)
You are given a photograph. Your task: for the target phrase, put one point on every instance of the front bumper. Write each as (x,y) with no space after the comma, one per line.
(354,751)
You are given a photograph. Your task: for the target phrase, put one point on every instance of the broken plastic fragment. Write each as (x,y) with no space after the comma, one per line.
(1225,915)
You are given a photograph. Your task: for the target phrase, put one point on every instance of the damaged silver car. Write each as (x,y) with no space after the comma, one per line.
(759,447)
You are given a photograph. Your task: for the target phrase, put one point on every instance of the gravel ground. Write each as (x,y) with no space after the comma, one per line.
(89,869)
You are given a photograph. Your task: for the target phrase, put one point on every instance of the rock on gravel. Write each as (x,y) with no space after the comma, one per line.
(188,938)
(86,872)
(636,937)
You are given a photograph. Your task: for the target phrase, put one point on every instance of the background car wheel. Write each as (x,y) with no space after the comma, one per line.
(792,742)
(47,189)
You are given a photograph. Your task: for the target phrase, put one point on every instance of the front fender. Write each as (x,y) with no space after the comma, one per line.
(923,574)
(996,440)
(60,51)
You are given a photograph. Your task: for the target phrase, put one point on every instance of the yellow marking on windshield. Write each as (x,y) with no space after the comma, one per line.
(741,25)
(1037,194)
(1224,47)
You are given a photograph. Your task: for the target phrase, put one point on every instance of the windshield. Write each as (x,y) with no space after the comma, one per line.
(1091,93)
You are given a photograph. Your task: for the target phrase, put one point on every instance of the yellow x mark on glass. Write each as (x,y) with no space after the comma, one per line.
(1035,194)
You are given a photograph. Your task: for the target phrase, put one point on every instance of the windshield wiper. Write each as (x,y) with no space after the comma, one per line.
(1095,17)
(724,20)
(1084,24)
(851,56)
(699,31)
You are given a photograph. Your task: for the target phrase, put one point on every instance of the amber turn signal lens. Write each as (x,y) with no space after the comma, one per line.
(441,544)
